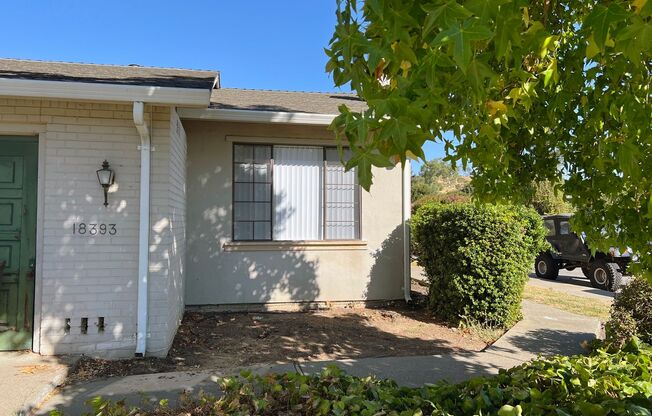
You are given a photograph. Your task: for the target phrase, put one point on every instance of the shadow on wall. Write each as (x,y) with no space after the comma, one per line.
(244,277)
(387,259)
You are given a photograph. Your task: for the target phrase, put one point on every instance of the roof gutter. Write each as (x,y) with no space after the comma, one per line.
(143,231)
(67,90)
(255,116)
(406,213)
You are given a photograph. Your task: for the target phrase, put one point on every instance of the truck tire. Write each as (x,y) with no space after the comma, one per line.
(586,271)
(604,275)
(546,267)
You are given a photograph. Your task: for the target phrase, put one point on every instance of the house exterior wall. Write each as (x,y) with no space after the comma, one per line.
(169,225)
(218,276)
(96,276)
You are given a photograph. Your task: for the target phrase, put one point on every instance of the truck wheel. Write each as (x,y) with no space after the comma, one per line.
(546,267)
(604,275)
(586,271)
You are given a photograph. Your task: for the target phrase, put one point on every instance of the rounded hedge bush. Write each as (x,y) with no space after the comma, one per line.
(631,313)
(477,259)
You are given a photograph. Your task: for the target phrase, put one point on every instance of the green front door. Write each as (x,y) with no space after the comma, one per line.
(18,170)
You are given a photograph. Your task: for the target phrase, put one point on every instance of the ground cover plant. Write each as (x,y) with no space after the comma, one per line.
(601,383)
(477,258)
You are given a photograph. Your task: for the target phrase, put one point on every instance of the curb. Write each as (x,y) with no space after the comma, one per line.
(59,379)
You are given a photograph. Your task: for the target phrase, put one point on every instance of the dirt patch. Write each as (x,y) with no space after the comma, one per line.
(227,341)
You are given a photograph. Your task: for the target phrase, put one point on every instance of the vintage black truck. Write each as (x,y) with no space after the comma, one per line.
(569,251)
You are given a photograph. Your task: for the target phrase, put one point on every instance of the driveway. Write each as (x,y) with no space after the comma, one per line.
(574,283)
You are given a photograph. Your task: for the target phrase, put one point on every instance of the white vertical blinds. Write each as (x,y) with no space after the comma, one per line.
(342,199)
(298,192)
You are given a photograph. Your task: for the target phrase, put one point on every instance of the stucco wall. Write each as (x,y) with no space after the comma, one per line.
(96,276)
(216,276)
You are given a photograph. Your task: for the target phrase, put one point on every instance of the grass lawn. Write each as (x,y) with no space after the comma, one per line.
(576,304)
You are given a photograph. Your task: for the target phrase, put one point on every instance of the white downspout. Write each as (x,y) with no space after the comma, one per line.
(407,212)
(143,232)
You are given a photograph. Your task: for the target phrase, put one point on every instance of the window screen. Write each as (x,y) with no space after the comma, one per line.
(252,192)
(342,213)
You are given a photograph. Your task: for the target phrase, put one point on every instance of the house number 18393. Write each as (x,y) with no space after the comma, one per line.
(93,228)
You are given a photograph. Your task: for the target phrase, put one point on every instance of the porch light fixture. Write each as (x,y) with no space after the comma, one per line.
(106,177)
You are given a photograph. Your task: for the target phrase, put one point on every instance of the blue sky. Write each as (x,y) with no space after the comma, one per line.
(254,44)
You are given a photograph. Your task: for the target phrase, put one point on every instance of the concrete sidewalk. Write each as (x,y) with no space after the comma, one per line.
(544,330)
(27,378)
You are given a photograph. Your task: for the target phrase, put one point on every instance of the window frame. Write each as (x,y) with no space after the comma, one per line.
(271,186)
(358,191)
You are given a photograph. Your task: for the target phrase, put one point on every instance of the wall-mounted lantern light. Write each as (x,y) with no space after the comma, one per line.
(106,177)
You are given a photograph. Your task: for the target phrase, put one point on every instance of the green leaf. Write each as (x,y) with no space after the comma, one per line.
(461,37)
(507,34)
(477,73)
(551,74)
(628,159)
(484,9)
(445,15)
(592,48)
(600,20)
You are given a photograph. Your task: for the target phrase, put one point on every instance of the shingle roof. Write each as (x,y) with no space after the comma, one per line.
(107,74)
(284,101)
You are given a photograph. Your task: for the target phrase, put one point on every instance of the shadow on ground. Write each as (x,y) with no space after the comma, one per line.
(547,342)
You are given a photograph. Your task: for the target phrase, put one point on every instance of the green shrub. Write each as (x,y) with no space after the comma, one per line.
(620,328)
(600,384)
(631,313)
(477,259)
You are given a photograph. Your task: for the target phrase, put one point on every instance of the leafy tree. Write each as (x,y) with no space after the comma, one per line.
(532,91)
(438,177)
(437,170)
(421,188)
(546,198)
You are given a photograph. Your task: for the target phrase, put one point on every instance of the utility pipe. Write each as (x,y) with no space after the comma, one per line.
(143,231)
(406,213)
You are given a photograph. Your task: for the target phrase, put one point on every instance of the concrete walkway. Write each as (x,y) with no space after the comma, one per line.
(27,378)
(544,330)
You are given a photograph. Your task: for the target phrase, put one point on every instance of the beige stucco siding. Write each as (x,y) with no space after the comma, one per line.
(217,276)
(84,276)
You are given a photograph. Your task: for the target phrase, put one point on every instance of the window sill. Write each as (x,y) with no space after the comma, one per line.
(322,245)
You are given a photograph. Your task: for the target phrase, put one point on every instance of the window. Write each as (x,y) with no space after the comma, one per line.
(564,227)
(342,213)
(252,193)
(550,226)
(291,193)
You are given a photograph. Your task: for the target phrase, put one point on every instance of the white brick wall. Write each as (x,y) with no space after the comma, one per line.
(86,276)
(167,254)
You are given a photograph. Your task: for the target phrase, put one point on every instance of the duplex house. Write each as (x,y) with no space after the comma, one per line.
(129,192)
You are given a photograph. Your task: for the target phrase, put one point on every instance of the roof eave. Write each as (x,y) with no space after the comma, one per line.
(65,90)
(256,116)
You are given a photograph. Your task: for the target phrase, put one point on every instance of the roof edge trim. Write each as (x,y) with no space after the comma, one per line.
(104,92)
(256,116)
